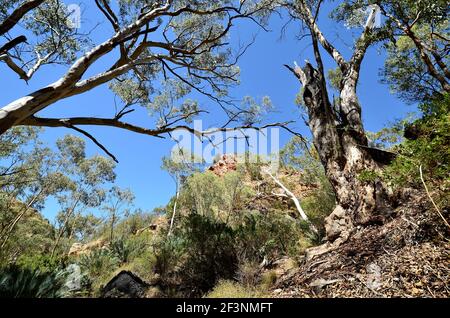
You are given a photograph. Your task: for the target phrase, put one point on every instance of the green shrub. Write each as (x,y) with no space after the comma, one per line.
(266,235)
(209,252)
(18,282)
(122,249)
(429,147)
(98,263)
(168,254)
(41,262)
(319,204)
(143,265)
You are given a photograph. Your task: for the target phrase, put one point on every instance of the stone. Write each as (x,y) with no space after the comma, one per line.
(125,285)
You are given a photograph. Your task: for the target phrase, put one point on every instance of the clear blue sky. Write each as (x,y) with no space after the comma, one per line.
(262,73)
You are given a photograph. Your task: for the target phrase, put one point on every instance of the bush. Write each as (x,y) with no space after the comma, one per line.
(204,250)
(122,250)
(428,146)
(248,273)
(209,252)
(18,282)
(319,204)
(143,265)
(99,264)
(168,254)
(266,235)
(41,262)
(268,279)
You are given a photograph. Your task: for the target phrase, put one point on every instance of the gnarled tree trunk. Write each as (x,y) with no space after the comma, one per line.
(339,138)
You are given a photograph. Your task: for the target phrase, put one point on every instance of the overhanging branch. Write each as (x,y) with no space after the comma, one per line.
(73,122)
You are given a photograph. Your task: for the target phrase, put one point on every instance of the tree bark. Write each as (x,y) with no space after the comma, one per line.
(339,138)
(172,219)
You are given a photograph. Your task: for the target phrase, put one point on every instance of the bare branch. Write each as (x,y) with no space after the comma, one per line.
(294,199)
(94,140)
(310,20)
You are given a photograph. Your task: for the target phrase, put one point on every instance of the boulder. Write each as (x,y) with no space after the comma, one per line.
(125,285)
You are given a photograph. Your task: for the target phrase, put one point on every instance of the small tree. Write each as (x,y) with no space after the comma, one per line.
(117,204)
(87,175)
(179,166)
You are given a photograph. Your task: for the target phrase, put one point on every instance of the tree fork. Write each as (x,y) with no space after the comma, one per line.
(345,155)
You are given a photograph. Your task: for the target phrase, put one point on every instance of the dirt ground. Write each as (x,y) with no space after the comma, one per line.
(407,256)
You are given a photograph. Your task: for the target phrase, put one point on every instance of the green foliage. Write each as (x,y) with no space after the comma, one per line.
(252,166)
(18,282)
(168,255)
(213,196)
(40,262)
(117,204)
(122,250)
(406,74)
(321,201)
(367,176)
(98,263)
(269,235)
(335,78)
(389,136)
(254,111)
(296,155)
(32,236)
(209,252)
(132,223)
(404,69)
(319,204)
(204,249)
(430,149)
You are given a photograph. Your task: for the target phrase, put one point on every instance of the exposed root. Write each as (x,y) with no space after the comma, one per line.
(408,256)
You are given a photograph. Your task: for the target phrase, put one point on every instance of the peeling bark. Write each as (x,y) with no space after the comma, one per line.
(343,149)
(339,136)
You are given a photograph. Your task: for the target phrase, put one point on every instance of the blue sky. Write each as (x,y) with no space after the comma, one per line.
(262,73)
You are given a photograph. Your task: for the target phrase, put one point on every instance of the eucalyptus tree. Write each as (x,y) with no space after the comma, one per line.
(84,226)
(177,41)
(417,66)
(337,127)
(28,176)
(422,27)
(30,173)
(117,204)
(88,177)
(179,166)
(336,124)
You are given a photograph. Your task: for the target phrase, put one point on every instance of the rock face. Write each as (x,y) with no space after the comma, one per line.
(225,164)
(125,285)
(78,249)
(157,225)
